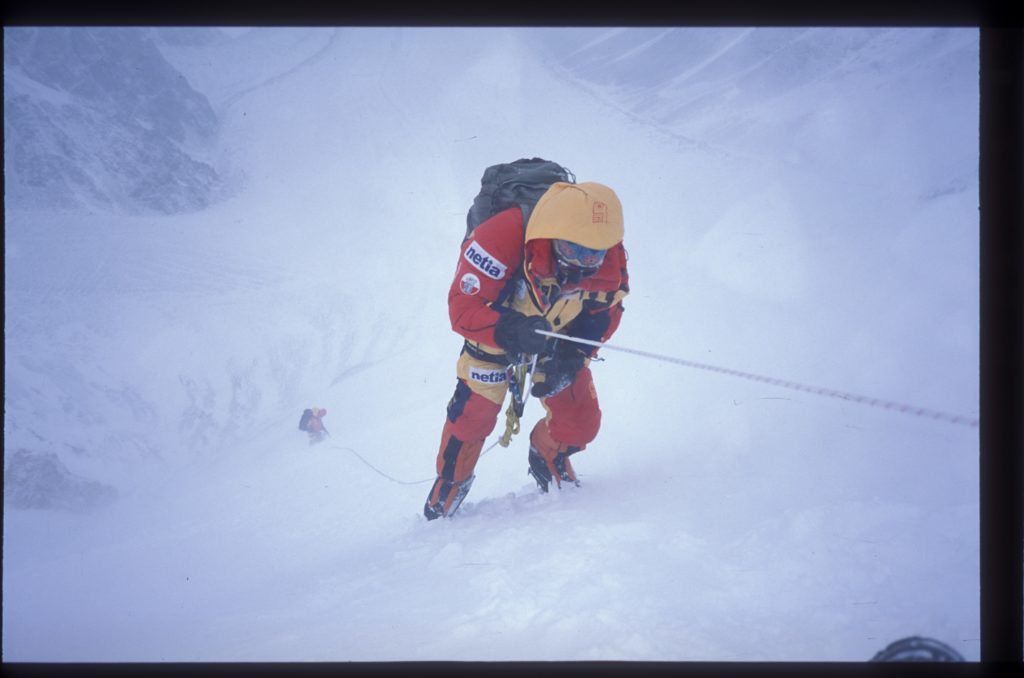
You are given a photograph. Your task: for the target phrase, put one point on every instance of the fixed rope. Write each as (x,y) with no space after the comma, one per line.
(912,410)
(381,473)
(519,372)
(512,426)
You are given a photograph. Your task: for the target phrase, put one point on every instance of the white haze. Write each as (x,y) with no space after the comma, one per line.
(800,203)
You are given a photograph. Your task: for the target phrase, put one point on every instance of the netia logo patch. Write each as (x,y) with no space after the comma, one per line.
(485,376)
(483,260)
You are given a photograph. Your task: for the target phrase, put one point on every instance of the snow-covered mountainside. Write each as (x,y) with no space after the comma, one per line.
(799,203)
(756,91)
(97,118)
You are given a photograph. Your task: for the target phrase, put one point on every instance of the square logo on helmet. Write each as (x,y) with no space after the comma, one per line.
(600,213)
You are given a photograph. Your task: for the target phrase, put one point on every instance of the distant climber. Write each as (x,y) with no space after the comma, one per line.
(312,423)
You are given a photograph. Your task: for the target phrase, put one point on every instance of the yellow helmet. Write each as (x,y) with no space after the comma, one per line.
(588,214)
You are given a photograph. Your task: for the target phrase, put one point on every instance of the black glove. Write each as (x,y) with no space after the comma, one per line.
(516,333)
(557,371)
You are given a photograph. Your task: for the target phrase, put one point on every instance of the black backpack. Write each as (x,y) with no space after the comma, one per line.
(304,419)
(514,184)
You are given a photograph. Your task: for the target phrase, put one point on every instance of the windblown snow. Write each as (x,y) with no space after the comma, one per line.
(800,203)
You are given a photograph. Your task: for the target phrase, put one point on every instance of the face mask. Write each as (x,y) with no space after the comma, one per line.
(571,274)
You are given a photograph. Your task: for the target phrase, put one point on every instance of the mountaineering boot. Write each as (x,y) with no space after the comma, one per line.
(445,497)
(560,469)
(563,467)
(549,458)
(539,469)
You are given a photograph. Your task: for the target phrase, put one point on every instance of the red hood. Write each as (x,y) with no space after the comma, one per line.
(539,266)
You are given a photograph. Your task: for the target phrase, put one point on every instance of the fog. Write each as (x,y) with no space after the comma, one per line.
(208,231)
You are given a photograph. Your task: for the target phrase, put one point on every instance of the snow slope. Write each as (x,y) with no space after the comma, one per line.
(824,231)
(95,117)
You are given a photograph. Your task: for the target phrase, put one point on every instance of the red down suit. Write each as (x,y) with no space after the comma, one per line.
(502,266)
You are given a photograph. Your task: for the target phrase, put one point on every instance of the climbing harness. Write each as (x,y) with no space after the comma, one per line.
(516,372)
